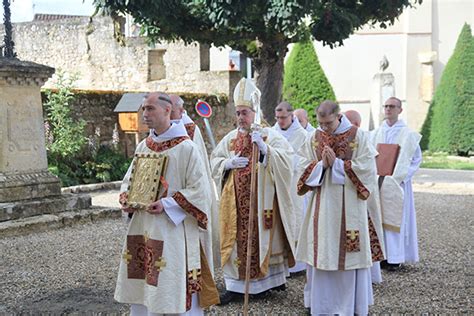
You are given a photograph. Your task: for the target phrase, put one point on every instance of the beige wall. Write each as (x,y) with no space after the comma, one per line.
(449,17)
(76,46)
(431,27)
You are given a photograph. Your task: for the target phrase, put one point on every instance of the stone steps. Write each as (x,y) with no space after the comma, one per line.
(46,205)
(51,221)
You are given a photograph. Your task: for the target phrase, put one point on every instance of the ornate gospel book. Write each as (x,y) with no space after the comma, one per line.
(147,179)
(387,158)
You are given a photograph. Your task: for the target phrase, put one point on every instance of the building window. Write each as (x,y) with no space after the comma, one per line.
(204,57)
(156,66)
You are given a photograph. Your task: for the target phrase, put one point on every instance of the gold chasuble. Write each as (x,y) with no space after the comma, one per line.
(274,224)
(164,263)
(337,233)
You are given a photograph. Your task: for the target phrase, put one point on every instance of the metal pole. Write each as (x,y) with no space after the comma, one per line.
(209,132)
(252,212)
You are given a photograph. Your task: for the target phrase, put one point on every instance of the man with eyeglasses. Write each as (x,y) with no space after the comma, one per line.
(396,193)
(289,127)
(165,263)
(273,237)
(335,240)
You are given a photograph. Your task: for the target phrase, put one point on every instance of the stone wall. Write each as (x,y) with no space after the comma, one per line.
(97,109)
(88,47)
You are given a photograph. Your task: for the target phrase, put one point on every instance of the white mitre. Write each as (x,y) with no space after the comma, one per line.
(246,94)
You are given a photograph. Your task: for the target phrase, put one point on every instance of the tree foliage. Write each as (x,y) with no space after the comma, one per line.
(304,83)
(452,128)
(64,135)
(73,157)
(260,29)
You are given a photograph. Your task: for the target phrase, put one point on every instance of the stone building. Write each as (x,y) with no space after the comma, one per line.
(87,46)
(417,46)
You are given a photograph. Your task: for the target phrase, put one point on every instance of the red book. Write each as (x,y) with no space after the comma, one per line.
(387,158)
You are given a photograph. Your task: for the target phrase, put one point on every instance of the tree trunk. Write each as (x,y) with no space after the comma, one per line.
(269,68)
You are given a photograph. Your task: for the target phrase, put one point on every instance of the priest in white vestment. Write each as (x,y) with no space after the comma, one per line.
(335,239)
(375,214)
(289,127)
(165,264)
(273,237)
(178,114)
(396,193)
(302,117)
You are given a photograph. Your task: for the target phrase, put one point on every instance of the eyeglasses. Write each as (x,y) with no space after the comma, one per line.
(390,106)
(281,117)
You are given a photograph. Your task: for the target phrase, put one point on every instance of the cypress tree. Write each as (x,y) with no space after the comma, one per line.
(452,125)
(304,83)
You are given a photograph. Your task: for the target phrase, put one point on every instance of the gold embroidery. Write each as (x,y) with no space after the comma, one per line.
(352,234)
(352,241)
(194,274)
(127,257)
(353,145)
(237,262)
(160,264)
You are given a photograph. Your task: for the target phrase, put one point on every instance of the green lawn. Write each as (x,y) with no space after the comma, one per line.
(443,161)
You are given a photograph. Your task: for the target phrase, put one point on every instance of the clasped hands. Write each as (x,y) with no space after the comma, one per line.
(328,157)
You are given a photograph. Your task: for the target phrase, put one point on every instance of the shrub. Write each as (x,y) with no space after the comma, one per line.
(64,136)
(74,158)
(304,83)
(452,127)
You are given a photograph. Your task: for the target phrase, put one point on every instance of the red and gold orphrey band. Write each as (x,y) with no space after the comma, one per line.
(243,144)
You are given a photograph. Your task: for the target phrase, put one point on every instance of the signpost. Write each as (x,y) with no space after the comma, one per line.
(205,111)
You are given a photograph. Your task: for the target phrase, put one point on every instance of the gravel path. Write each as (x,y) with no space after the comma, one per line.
(73,270)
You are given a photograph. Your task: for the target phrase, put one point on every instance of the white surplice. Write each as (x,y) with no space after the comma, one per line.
(400,246)
(295,134)
(194,132)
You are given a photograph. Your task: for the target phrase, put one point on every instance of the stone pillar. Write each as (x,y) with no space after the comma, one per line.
(23,165)
(383,87)
(27,188)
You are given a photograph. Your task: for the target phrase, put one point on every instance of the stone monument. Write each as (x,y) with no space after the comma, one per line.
(27,188)
(383,87)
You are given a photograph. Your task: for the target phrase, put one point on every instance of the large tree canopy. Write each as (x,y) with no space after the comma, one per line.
(261,29)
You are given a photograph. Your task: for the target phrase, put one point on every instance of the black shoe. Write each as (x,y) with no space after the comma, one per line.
(280,288)
(393,267)
(260,296)
(229,296)
(384,264)
(297,274)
